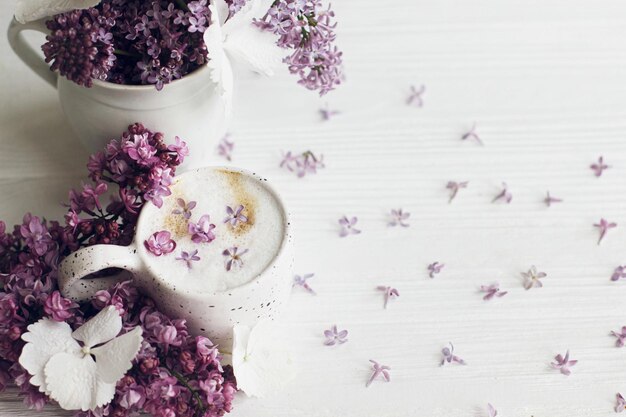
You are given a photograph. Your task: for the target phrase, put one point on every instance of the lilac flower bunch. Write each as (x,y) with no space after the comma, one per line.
(308,29)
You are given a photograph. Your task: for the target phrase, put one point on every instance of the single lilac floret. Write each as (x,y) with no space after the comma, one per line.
(415,97)
(327,113)
(471,134)
(233,257)
(301,281)
(202,232)
(454,188)
(532,278)
(491,411)
(504,195)
(302,164)
(335,337)
(620,404)
(549,200)
(160,243)
(621,337)
(492,291)
(379,370)
(563,363)
(604,226)
(599,167)
(225,148)
(184,208)
(450,357)
(235,216)
(188,257)
(390,293)
(619,273)
(347,226)
(434,269)
(398,217)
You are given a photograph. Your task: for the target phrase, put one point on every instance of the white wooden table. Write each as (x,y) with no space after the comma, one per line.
(546,84)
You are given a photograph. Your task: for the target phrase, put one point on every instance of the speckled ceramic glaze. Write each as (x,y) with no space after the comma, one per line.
(210,313)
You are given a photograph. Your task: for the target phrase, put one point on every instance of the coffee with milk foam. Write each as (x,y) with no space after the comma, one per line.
(261,235)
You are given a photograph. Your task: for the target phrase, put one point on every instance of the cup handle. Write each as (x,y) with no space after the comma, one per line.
(92,259)
(26,52)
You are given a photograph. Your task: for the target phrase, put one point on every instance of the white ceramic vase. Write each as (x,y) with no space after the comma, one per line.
(190,107)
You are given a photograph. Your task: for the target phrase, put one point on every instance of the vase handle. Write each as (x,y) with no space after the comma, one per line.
(27,53)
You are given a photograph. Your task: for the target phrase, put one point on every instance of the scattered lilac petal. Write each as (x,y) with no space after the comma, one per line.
(563,363)
(491,411)
(327,113)
(233,257)
(185,208)
(450,357)
(549,200)
(599,167)
(202,232)
(235,216)
(347,226)
(302,164)
(619,273)
(415,97)
(398,217)
(532,278)
(505,195)
(188,257)
(301,281)
(471,134)
(160,243)
(434,269)
(225,148)
(621,337)
(454,188)
(620,404)
(379,370)
(390,293)
(492,291)
(604,226)
(335,337)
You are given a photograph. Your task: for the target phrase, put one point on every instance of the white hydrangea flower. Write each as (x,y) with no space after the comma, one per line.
(66,371)
(31,10)
(261,363)
(237,39)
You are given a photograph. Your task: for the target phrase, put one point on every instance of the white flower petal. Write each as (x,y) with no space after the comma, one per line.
(253,9)
(222,11)
(71,380)
(254,48)
(31,10)
(219,64)
(114,358)
(45,339)
(261,363)
(104,394)
(103,327)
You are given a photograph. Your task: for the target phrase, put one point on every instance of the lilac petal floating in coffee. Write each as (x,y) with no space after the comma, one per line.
(563,363)
(492,291)
(390,293)
(188,257)
(302,164)
(225,148)
(532,278)
(549,200)
(620,403)
(235,216)
(301,281)
(333,336)
(379,370)
(491,411)
(450,357)
(619,273)
(327,113)
(604,226)
(621,337)
(599,167)
(184,208)
(454,188)
(202,232)
(347,226)
(233,257)
(504,195)
(434,269)
(160,243)
(415,97)
(471,134)
(399,217)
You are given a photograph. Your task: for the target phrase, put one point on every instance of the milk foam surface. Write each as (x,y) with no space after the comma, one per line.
(213,190)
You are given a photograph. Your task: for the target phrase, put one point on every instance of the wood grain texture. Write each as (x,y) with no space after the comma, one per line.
(545,83)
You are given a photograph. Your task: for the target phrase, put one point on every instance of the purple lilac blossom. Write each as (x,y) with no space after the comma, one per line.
(454,188)
(415,96)
(202,232)
(471,134)
(184,209)
(333,336)
(188,257)
(378,370)
(532,278)
(301,281)
(450,357)
(619,273)
(302,164)
(233,257)
(399,217)
(390,293)
(491,291)
(599,167)
(347,226)
(563,363)
(58,307)
(621,337)
(504,195)
(235,216)
(604,226)
(434,269)
(160,243)
(620,403)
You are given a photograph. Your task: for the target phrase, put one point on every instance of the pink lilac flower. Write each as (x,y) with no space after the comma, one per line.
(532,278)
(335,337)
(434,269)
(549,200)
(202,232)
(302,164)
(504,195)
(599,167)
(621,337)
(491,411)
(225,148)
(36,235)
(415,97)
(58,307)
(140,150)
(454,188)
(179,147)
(188,257)
(619,273)
(347,226)
(233,257)
(160,243)
(184,208)
(604,226)
(620,404)
(327,113)
(301,281)
(398,217)
(563,363)
(390,293)
(450,357)
(91,195)
(471,134)
(379,370)
(492,291)
(235,216)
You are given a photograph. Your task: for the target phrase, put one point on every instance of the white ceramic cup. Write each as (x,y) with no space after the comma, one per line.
(212,313)
(190,107)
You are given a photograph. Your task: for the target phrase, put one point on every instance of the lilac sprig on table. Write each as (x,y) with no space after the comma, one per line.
(599,167)
(348,226)
(532,278)
(399,218)
(302,164)
(491,291)
(379,370)
(334,336)
(307,28)
(434,269)
(604,226)
(301,281)
(563,363)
